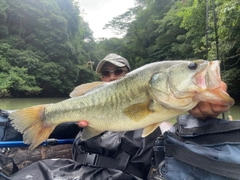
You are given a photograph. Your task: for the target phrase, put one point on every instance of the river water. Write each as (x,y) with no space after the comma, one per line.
(17,103)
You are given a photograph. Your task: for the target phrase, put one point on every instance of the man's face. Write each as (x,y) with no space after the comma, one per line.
(110,72)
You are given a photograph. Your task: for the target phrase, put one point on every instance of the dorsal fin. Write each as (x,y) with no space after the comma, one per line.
(84,88)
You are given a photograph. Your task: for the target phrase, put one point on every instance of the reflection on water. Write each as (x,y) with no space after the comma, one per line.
(17,103)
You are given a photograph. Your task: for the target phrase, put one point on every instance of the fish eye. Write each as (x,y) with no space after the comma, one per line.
(192,65)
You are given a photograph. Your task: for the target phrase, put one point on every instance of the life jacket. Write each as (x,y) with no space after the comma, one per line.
(125,154)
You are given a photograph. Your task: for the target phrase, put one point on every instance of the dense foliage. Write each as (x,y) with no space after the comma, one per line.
(43,47)
(180,29)
(47,48)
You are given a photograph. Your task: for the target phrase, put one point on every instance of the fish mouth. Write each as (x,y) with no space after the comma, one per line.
(209,78)
(209,81)
(213,76)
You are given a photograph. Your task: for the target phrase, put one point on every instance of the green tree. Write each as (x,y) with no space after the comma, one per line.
(47,39)
(15,80)
(177,30)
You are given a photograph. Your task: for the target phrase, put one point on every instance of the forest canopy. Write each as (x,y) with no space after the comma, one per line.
(47,48)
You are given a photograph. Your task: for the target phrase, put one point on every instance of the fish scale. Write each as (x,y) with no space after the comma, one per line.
(143,98)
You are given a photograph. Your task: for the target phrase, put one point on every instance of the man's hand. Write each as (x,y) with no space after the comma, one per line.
(205,109)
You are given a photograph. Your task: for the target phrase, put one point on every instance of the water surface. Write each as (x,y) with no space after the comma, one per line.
(18,103)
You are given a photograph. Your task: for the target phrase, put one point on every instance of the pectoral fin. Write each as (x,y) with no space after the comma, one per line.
(148,130)
(137,112)
(89,132)
(84,88)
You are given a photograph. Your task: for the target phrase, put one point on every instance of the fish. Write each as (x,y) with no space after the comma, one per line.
(142,99)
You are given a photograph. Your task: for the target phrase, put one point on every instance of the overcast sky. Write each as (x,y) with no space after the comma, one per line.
(99,12)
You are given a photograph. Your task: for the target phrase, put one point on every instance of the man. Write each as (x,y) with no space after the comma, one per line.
(110,155)
(113,67)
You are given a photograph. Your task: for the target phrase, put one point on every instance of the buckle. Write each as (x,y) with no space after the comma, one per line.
(91,159)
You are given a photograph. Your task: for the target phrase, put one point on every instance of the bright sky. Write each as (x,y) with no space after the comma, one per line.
(99,12)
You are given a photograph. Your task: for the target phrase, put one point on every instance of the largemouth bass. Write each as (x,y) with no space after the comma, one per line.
(143,98)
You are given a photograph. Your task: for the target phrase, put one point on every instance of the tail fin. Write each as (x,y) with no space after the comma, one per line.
(29,121)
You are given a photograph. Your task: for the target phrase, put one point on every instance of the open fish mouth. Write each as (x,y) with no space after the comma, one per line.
(213,75)
(210,82)
(210,77)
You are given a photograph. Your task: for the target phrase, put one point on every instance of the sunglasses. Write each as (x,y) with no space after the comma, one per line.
(117,72)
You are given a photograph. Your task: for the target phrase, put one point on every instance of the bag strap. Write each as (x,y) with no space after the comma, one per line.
(158,151)
(217,138)
(210,128)
(221,168)
(122,163)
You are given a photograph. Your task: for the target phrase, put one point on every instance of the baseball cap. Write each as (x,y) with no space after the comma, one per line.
(115,59)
